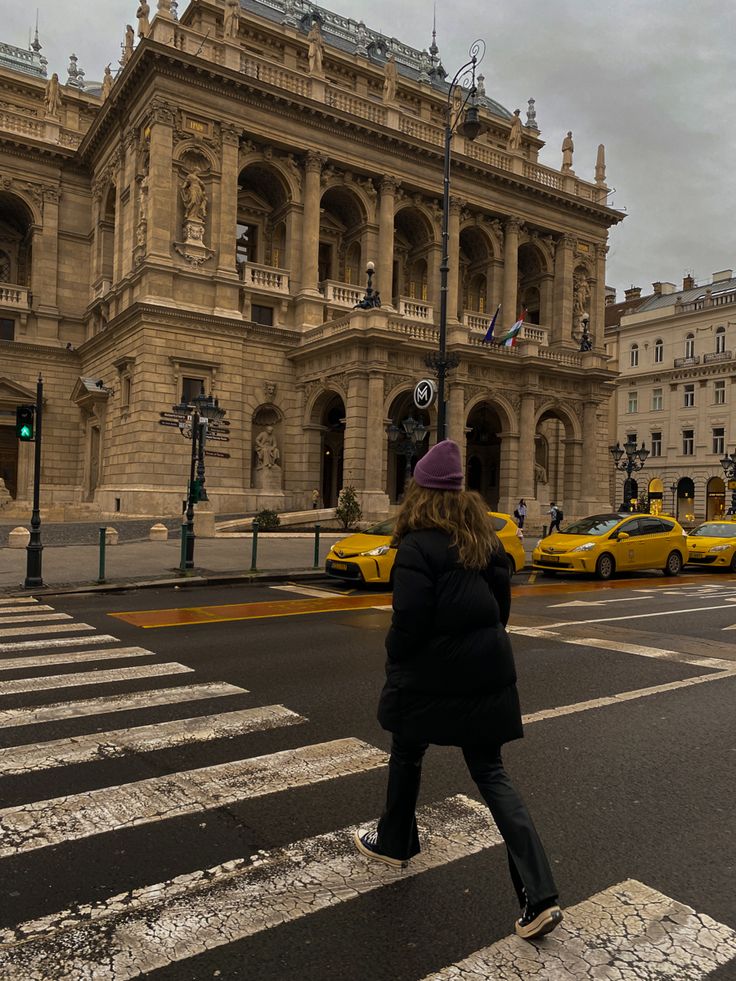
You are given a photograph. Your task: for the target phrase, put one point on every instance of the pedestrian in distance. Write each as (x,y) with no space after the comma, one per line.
(450,676)
(315,499)
(555,517)
(520,513)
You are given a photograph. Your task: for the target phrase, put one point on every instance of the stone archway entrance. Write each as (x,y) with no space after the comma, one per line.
(715,498)
(333,435)
(483,454)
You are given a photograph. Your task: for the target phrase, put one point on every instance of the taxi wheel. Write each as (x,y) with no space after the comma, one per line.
(605,566)
(674,564)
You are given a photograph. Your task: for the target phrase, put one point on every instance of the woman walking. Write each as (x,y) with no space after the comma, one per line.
(520,513)
(450,676)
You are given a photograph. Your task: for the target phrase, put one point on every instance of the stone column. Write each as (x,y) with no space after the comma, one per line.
(128,216)
(571,503)
(45,265)
(163,200)
(453,251)
(526,447)
(562,293)
(310,229)
(598,299)
(374,499)
(509,312)
(223,238)
(119,231)
(385,263)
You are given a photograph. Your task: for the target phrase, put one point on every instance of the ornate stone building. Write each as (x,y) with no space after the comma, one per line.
(207,219)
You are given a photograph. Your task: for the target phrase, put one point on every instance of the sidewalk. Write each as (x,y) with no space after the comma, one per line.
(69,567)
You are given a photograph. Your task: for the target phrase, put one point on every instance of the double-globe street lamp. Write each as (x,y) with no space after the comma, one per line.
(635,460)
(194,418)
(466,121)
(728,462)
(405,439)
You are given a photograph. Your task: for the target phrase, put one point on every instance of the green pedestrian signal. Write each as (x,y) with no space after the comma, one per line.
(25,417)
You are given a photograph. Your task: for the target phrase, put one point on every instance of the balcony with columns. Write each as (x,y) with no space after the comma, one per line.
(264,279)
(15,299)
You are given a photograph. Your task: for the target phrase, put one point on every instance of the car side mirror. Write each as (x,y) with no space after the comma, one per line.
(621,536)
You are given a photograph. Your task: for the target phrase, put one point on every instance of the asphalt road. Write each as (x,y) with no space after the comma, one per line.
(621,788)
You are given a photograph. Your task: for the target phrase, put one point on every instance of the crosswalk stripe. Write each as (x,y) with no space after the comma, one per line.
(149,928)
(16,614)
(73,657)
(81,678)
(31,619)
(51,822)
(18,601)
(29,645)
(143,739)
(627,931)
(60,711)
(56,628)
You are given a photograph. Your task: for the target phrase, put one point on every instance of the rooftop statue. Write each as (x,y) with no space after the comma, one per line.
(390,77)
(316,49)
(568,148)
(144,25)
(52,96)
(232,18)
(514,142)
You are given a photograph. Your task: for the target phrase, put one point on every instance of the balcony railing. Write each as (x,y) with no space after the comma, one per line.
(478,323)
(268,279)
(687,362)
(715,356)
(341,294)
(14,297)
(416,309)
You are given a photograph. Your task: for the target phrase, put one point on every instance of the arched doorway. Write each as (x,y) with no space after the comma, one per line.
(531,277)
(475,273)
(413,249)
(342,227)
(656,496)
(715,498)
(333,435)
(263,220)
(400,465)
(483,468)
(685,512)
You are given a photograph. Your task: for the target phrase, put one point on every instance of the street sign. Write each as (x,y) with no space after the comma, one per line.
(425,393)
(222,456)
(220,439)
(168,422)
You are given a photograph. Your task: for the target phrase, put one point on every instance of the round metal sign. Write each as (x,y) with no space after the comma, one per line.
(425,392)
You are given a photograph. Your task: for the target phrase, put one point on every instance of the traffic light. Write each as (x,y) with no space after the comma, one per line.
(25,417)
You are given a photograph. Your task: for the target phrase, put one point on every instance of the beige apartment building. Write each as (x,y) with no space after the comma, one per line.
(676,353)
(205,219)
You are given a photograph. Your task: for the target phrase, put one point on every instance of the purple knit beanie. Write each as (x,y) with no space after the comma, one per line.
(441,467)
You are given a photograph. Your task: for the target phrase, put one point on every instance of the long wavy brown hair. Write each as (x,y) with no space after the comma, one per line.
(462,514)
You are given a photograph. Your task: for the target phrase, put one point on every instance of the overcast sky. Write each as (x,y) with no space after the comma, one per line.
(653,81)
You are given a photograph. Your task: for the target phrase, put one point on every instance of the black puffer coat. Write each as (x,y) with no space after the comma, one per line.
(450,674)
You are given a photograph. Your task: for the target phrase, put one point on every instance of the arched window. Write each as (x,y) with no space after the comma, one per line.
(4,267)
(634,356)
(658,351)
(720,340)
(690,346)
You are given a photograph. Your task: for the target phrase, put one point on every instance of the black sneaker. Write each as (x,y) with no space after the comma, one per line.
(537,920)
(367,844)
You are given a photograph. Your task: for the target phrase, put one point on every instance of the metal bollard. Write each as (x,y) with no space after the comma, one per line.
(316,547)
(103,536)
(254,550)
(183,556)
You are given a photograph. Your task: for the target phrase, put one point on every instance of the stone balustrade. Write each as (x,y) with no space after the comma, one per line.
(687,362)
(479,323)
(14,297)
(44,130)
(416,309)
(269,279)
(341,294)
(714,357)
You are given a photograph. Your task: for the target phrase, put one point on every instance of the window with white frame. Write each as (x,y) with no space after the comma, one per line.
(688,442)
(719,391)
(690,346)
(656,444)
(658,351)
(719,440)
(657,400)
(633,402)
(634,356)
(689,396)
(720,340)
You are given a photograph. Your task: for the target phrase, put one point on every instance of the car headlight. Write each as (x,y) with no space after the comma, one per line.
(379,550)
(719,548)
(584,548)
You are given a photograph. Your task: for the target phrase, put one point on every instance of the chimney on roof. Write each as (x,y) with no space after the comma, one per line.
(657,287)
(610,295)
(719,277)
(633,293)
(688,282)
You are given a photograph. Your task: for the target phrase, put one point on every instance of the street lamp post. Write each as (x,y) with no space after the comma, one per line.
(728,462)
(635,460)
(673,488)
(586,341)
(372,297)
(466,122)
(405,439)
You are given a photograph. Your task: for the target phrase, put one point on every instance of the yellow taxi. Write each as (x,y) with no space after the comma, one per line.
(713,543)
(369,558)
(605,543)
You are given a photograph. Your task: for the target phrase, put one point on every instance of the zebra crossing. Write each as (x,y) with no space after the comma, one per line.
(626,931)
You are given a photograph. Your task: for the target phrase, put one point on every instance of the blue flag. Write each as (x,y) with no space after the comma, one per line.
(489,333)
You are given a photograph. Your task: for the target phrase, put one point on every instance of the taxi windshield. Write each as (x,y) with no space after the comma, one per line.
(597,524)
(382,528)
(715,530)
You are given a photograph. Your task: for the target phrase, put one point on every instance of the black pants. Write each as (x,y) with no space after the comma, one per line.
(397,829)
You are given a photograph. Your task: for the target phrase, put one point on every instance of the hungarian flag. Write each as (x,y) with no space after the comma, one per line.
(488,339)
(509,339)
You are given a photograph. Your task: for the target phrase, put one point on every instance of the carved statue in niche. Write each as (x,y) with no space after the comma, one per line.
(390,78)
(568,148)
(267,451)
(267,471)
(316,49)
(231,24)
(194,196)
(581,295)
(142,13)
(52,97)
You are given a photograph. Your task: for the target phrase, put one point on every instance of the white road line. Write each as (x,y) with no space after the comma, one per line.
(145,929)
(56,628)
(51,822)
(79,679)
(73,657)
(18,601)
(531,631)
(637,616)
(626,696)
(16,614)
(625,599)
(34,618)
(308,591)
(60,711)
(30,645)
(143,739)
(627,932)
(680,657)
